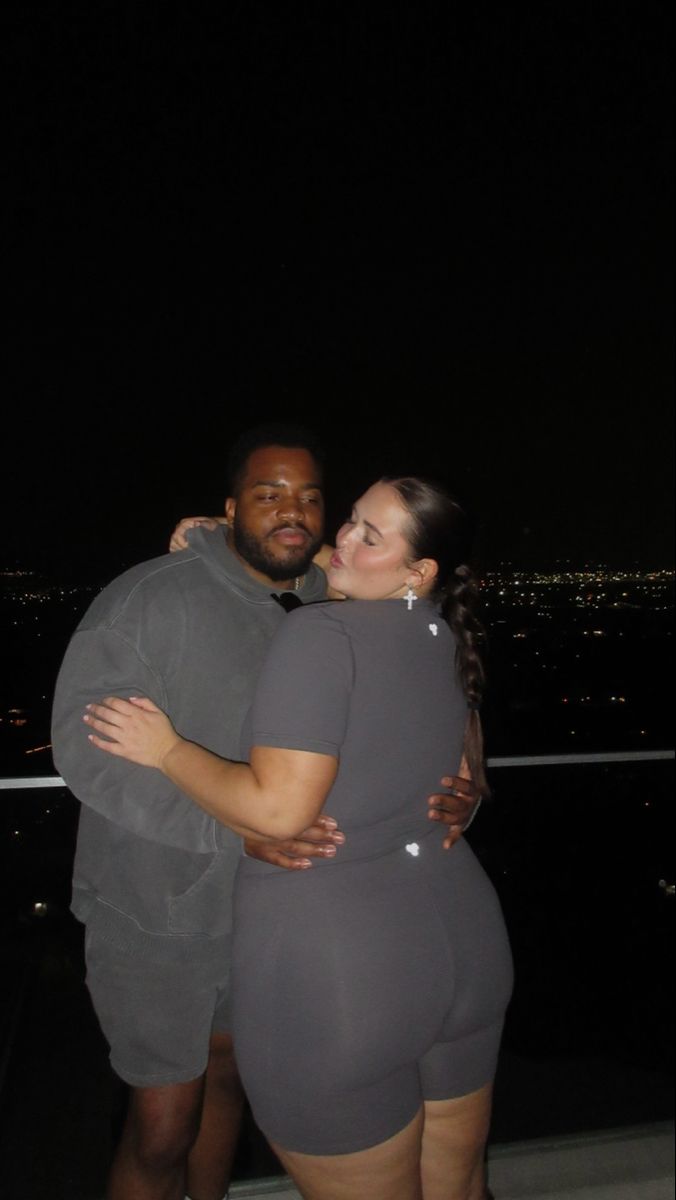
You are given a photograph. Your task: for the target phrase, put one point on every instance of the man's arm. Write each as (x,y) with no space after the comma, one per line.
(144,802)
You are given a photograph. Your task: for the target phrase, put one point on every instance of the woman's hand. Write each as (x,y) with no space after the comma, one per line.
(179,541)
(135,729)
(296,854)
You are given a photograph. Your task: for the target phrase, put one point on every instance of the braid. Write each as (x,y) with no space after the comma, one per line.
(458,607)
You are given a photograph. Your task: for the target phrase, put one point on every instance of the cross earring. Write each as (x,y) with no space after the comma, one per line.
(409,598)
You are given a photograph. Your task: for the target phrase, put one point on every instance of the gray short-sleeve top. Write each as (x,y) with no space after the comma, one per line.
(375,685)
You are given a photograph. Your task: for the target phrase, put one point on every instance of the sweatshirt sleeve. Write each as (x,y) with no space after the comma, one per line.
(102,662)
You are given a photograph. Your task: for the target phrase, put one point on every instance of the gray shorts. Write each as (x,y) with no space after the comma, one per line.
(363,989)
(158,1008)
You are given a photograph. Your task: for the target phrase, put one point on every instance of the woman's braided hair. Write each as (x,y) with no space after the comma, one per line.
(439,528)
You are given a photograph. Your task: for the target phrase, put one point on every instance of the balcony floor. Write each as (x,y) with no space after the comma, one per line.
(627,1164)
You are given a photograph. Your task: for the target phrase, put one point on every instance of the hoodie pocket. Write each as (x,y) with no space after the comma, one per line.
(206,906)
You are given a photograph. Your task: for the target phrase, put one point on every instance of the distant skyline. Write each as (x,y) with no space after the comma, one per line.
(445,241)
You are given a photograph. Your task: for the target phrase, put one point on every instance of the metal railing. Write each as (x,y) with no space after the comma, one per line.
(14,783)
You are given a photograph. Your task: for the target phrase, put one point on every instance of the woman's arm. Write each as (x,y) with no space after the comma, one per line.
(278,794)
(179,540)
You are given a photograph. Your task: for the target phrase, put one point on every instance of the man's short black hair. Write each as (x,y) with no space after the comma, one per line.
(296,437)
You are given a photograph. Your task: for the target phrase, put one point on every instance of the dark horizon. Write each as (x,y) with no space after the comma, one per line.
(94,518)
(445,241)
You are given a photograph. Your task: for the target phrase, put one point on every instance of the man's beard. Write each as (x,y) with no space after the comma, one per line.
(253,550)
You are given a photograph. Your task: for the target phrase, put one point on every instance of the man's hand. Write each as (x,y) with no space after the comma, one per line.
(295,854)
(455,807)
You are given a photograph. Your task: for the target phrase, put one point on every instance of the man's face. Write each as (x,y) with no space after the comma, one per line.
(277,520)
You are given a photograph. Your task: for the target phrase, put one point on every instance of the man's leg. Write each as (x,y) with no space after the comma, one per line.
(211,1158)
(159,1020)
(161,1126)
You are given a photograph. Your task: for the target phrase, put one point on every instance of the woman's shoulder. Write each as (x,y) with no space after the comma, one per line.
(342,614)
(321,618)
(320,612)
(312,633)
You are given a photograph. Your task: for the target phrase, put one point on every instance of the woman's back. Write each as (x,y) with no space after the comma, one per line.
(388,965)
(374,684)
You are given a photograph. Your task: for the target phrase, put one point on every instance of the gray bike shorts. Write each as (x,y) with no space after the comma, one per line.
(158,1006)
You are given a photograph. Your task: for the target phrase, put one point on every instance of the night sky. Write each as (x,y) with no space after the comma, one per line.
(444,239)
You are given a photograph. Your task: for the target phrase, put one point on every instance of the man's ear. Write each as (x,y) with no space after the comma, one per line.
(230,506)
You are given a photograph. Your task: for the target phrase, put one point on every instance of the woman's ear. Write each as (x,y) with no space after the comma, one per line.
(423,574)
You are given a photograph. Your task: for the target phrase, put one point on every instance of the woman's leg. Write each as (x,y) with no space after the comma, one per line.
(453,1145)
(388,1171)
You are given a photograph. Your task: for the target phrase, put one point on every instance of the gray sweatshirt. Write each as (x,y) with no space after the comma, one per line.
(190,631)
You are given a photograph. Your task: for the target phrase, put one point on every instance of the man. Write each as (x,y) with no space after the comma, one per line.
(153,874)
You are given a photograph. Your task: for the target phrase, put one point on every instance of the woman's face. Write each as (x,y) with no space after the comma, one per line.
(372,557)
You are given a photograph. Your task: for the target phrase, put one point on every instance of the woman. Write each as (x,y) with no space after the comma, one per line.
(370,1075)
